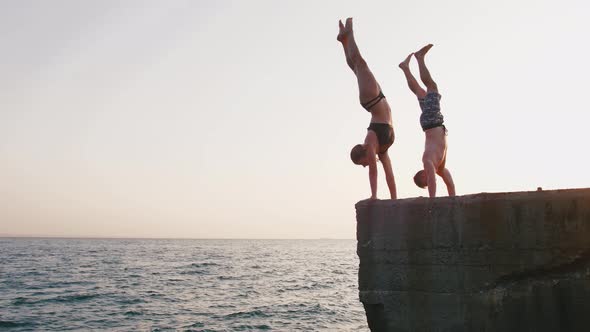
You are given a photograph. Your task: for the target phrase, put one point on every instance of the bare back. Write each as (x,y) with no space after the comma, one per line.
(435,147)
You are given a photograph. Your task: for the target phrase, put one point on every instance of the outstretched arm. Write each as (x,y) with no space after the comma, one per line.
(386,162)
(430,178)
(448,179)
(372,173)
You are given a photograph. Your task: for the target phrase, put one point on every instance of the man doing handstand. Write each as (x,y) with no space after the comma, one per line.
(431,120)
(380,134)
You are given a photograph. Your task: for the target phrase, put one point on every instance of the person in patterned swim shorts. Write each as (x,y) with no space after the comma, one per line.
(432,122)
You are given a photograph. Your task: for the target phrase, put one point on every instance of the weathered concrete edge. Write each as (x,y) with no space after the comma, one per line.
(473,197)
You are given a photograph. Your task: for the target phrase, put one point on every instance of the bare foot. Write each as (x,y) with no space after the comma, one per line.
(422,52)
(345,30)
(349,23)
(406,63)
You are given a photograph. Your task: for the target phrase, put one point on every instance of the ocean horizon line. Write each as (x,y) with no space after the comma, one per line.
(18,236)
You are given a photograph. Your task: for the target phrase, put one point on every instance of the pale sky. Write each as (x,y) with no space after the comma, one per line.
(235,119)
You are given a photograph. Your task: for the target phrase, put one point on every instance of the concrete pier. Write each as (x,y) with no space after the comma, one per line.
(486,262)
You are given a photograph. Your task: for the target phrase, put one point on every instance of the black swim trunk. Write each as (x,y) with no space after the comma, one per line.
(385,135)
(431,116)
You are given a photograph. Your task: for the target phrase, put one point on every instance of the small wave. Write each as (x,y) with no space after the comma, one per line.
(203,264)
(34,274)
(21,301)
(306,287)
(7,324)
(319,310)
(226,278)
(247,314)
(65,284)
(194,272)
(73,298)
(252,327)
(131,301)
(131,313)
(62,298)
(197,324)
(198,268)
(224,306)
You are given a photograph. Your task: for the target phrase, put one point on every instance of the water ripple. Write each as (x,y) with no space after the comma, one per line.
(179,285)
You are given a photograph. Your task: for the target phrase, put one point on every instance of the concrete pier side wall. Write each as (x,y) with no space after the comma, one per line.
(486,262)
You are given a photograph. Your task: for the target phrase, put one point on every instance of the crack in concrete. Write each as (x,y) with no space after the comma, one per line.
(578,264)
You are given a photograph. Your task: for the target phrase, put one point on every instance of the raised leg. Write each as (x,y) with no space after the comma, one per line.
(368,86)
(424,73)
(412,83)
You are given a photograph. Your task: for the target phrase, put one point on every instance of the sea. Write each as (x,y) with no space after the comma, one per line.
(50,284)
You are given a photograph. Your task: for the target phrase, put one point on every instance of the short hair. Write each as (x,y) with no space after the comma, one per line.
(357,153)
(418,179)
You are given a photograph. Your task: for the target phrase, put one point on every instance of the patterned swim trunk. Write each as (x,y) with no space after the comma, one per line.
(431,116)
